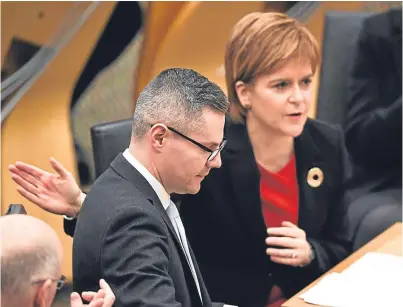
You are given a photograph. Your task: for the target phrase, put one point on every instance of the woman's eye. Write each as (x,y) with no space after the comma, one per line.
(281,85)
(306,81)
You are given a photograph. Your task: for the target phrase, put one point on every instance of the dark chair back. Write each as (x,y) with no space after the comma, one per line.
(108,140)
(339,41)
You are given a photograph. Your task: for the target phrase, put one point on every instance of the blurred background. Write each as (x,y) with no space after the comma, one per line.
(68,66)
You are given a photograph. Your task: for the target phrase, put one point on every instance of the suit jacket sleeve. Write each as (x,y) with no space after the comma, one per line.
(335,242)
(69,226)
(374,126)
(135,256)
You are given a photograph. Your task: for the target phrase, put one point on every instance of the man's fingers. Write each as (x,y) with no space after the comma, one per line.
(100,294)
(13,169)
(59,168)
(88,295)
(25,184)
(99,302)
(31,197)
(43,203)
(104,285)
(26,176)
(75,300)
(30,169)
(103,298)
(109,295)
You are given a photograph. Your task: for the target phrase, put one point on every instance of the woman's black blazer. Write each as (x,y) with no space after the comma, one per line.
(226,229)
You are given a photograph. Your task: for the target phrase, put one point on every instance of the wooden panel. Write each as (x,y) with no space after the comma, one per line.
(22,19)
(199,40)
(39,127)
(159,18)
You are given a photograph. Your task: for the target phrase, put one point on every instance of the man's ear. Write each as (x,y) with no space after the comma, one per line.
(242,92)
(158,136)
(45,294)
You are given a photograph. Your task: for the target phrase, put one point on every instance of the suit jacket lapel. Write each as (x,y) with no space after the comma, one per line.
(245,178)
(307,157)
(127,171)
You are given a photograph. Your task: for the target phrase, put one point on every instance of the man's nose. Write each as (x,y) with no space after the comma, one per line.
(216,162)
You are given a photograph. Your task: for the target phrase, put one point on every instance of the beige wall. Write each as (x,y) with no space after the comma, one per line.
(39,127)
(159,18)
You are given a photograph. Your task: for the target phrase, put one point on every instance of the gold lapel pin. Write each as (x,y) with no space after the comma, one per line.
(315,177)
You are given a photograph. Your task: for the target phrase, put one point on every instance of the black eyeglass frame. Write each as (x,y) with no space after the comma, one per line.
(213,153)
(60,282)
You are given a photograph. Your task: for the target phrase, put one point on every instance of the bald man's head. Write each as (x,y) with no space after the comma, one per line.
(30,251)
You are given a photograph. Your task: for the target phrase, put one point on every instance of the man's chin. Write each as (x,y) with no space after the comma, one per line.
(193,191)
(193,188)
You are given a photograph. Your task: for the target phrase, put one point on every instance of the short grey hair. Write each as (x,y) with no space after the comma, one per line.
(20,267)
(30,250)
(177,98)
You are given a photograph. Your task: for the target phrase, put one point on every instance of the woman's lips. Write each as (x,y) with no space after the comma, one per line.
(295,116)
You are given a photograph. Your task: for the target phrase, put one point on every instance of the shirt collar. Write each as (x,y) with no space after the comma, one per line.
(155,184)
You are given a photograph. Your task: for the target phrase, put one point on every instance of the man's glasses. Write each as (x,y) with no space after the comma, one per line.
(213,153)
(60,282)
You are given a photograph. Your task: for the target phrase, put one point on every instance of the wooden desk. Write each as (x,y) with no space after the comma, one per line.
(389,242)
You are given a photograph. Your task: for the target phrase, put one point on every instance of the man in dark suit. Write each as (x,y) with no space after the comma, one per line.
(128,230)
(374,126)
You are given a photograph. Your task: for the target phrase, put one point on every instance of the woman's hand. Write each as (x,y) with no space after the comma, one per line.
(295,249)
(57,193)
